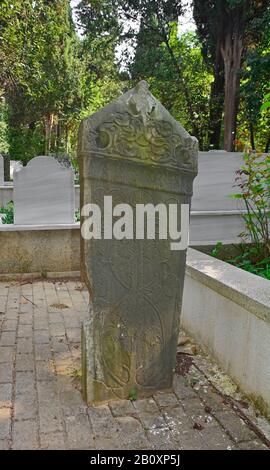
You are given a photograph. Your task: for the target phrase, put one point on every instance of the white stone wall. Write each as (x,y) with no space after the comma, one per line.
(228,311)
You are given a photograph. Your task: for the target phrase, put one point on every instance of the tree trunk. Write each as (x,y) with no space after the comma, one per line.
(232,49)
(48,132)
(252,138)
(232,55)
(216,102)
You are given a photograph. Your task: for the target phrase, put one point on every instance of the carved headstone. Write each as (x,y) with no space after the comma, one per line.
(134,151)
(44,193)
(1,169)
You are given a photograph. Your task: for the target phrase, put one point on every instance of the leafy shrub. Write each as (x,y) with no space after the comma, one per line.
(8,213)
(253,181)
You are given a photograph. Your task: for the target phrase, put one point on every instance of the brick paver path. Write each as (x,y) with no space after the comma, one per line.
(40,400)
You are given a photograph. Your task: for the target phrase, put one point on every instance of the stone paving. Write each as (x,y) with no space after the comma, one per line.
(41,406)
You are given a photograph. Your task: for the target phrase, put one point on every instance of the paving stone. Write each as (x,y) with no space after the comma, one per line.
(26,319)
(79,432)
(73,334)
(9,325)
(50,419)
(40,323)
(7,354)
(182,389)
(58,329)
(45,370)
(24,362)
(212,399)
(5,394)
(12,313)
(195,410)
(71,322)
(104,425)
(25,345)
(55,317)
(25,435)
(52,441)
(71,401)
(8,338)
(25,331)
(64,363)
(4,443)
(166,399)
(122,408)
(235,426)
(59,344)
(147,405)
(5,373)
(177,420)
(164,422)
(41,337)
(162,439)
(191,439)
(216,438)
(5,422)
(131,434)
(25,383)
(149,414)
(25,407)
(252,445)
(43,352)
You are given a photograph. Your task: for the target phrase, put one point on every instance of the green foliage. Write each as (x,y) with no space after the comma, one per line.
(42,82)
(243,27)
(153,63)
(253,181)
(216,251)
(8,213)
(266,103)
(4,146)
(249,260)
(51,78)
(77,215)
(133,394)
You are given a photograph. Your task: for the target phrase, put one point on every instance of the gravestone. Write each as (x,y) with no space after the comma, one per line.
(134,151)
(44,193)
(1,170)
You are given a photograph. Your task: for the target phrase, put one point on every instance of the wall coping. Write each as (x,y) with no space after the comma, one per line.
(19,228)
(246,289)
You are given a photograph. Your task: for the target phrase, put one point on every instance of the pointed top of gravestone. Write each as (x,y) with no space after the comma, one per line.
(141,102)
(137,127)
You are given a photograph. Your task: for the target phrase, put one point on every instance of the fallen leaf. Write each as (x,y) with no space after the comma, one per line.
(198,426)
(59,306)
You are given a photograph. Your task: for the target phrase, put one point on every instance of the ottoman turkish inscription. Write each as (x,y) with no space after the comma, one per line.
(134,151)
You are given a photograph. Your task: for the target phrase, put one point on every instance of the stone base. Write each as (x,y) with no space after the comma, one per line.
(95,390)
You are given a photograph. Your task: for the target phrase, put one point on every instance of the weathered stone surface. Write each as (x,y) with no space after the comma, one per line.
(134,151)
(44,193)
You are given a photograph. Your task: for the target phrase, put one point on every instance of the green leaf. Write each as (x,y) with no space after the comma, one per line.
(265,105)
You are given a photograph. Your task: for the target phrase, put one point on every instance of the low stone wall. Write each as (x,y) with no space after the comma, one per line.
(39,250)
(228,311)
(36,249)
(6,194)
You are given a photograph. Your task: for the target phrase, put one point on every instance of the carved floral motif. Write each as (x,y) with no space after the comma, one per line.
(127,136)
